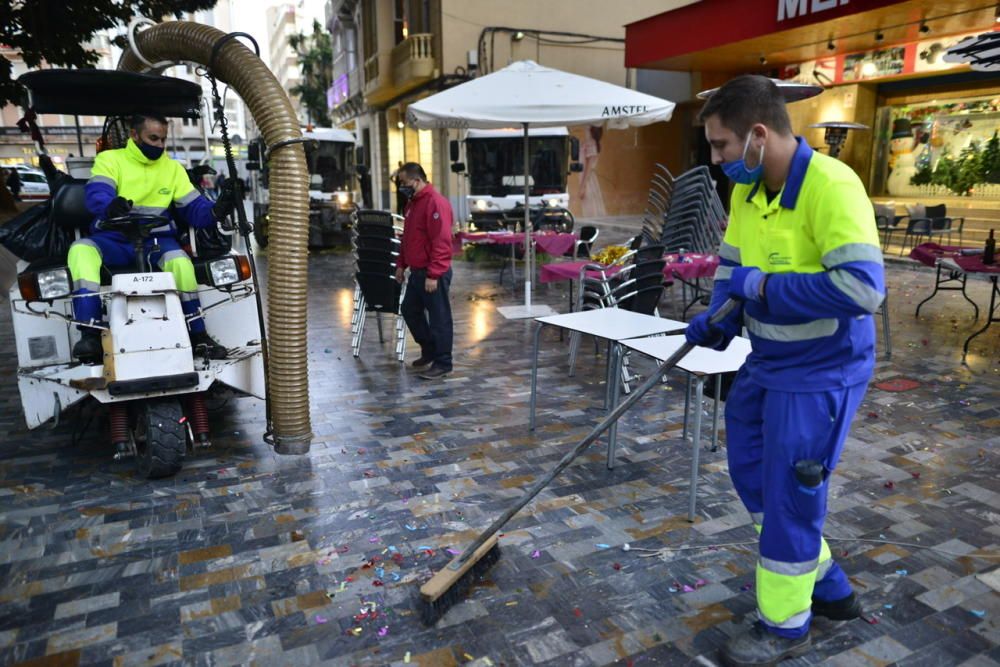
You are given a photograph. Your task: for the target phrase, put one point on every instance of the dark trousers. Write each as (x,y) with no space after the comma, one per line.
(428,316)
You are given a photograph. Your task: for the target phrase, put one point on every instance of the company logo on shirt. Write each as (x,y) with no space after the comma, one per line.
(777,259)
(164,191)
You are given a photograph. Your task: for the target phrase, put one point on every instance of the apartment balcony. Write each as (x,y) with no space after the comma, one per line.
(413,61)
(378,78)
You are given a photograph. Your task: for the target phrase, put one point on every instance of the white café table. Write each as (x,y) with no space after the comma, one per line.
(700,363)
(611,324)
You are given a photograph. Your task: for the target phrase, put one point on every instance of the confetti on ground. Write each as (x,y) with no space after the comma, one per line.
(536,553)
(409,527)
(871,620)
(343,550)
(406,658)
(320,619)
(902,573)
(512,603)
(603,546)
(672,589)
(452,551)
(700,583)
(887,606)
(395,576)
(373,539)
(577,612)
(978,613)
(617,566)
(688,589)
(383,631)
(890,485)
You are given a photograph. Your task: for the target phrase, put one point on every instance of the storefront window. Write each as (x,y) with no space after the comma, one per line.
(940,148)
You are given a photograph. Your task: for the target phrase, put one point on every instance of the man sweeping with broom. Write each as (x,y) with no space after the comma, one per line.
(802,255)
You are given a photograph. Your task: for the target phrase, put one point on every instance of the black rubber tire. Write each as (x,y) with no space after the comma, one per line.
(162,452)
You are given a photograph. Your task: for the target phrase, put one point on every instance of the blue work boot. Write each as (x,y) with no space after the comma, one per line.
(758,648)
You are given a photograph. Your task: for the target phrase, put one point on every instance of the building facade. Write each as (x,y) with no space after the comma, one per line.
(933,132)
(404,50)
(189,141)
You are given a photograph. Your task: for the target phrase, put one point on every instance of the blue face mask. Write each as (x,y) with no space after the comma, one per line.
(737,170)
(151,152)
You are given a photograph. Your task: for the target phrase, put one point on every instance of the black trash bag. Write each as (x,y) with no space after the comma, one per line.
(27,234)
(210,242)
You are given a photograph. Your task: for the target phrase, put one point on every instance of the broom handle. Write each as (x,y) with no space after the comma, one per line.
(612,417)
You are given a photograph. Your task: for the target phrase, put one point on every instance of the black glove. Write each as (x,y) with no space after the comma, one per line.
(118,207)
(225,203)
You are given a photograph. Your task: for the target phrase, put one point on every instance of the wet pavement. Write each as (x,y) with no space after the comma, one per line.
(246,557)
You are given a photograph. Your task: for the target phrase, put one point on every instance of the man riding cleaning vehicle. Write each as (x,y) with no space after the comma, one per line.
(141,179)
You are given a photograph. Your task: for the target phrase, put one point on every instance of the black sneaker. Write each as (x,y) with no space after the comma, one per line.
(205,345)
(435,372)
(422,363)
(844,609)
(758,647)
(89,349)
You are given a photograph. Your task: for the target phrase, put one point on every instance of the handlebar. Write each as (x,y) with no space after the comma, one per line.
(132,224)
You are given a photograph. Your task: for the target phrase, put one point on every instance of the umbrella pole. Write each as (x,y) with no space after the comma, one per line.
(529,248)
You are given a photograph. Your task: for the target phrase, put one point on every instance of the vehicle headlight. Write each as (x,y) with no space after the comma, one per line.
(480,204)
(553,203)
(224,271)
(45,285)
(343,198)
(54,283)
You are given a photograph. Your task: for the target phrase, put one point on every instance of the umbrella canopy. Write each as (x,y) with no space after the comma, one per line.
(526,92)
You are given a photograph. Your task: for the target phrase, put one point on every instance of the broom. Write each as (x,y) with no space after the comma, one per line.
(450,584)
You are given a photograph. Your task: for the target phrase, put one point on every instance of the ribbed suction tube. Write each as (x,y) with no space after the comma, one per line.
(288,226)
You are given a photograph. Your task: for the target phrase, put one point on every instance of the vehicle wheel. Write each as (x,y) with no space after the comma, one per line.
(160,437)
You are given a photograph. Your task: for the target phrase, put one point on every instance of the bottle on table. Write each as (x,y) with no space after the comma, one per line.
(990,249)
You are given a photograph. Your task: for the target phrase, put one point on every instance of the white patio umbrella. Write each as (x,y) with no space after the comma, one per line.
(527,94)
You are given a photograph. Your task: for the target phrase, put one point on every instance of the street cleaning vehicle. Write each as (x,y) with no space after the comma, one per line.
(494,160)
(150,380)
(334,189)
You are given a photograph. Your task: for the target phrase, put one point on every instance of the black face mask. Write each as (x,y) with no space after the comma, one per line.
(407,191)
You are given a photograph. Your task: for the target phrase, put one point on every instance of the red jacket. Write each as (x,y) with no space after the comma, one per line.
(426,240)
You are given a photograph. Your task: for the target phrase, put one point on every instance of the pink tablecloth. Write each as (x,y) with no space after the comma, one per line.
(693,266)
(930,253)
(552,244)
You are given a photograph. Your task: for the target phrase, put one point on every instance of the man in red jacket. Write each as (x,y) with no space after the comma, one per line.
(426,251)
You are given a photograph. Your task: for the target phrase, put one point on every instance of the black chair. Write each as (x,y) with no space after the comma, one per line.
(887,222)
(916,229)
(584,245)
(379,293)
(378,243)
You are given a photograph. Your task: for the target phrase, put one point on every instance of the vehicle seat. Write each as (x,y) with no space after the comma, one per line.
(69,207)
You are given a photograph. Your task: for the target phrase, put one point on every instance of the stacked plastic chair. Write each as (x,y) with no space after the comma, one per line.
(375,244)
(634,282)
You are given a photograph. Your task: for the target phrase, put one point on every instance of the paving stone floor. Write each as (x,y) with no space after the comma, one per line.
(246,557)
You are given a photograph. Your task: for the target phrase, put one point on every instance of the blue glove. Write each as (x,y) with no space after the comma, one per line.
(745,283)
(700,332)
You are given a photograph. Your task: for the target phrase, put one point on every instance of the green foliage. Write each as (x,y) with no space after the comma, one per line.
(945,172)
(970,170)
(58,31)
(315,55)
(991,159)
(924,176)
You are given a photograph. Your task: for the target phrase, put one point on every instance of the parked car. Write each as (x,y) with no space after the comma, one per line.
(33,183)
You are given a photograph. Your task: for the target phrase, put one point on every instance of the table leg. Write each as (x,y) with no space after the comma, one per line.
(513,267)
(953,276)
(534,376)
(715,412)
(615,392)
(699,385)
(608,377)
(687,404)
(990,319)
